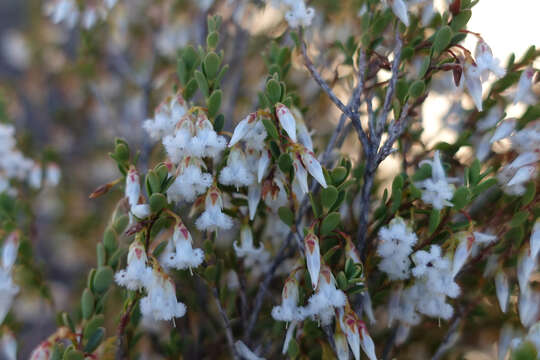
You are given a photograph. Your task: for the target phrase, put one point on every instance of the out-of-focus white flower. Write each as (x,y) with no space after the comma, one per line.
(485,61)
(246,248)
(528,306)
(515,175)
(313,257)
(179,253)
(237,172)
(304,136)
(300,175)
(63,11)
(8,345)
(399,8)
(190,180)
(8,289)
(262,165)
(436,190)
(244,352)
(527,139)
(136,275)
(473,82)
(524,85)
(502,289)
(166,116)
(491,119)
(53,175)
(505,128)
(506,336)
(213,217)
(366,342)
(296,12)
(15,49)
(254,197)
(274,193)
(525,266)
(161,302)
(535,239)
(141,211)
(395,246)
(342,349)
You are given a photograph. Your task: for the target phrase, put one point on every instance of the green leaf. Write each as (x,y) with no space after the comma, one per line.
(120,223)
(434,221)
(210,273)
(153,182)
(219,122)
(190,89)
(530,192)
(273,91)
(92,325)
(122,152)
(461,198)
(87,303)
(57,351)
(66,319)
(442,39)
(474,172)
(460,21)
(103,279)
(339,174)
(214,102)
(402,89)
(270,128)
(417,88)
(212,40)
(293,349)
(157,202)
(100,252)
(285,163)
(72,354)
(525,351)
(202,83)
(342,280)
(314,205)
(422,173)
(95,340)
(426,61)
(330,222)
(519,218)
(286,215)
(190,58)
(211,65)
(329,196)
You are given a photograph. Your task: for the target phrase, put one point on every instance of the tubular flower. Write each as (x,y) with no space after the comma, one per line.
(136,274)
(313,166)
(161,302)
(313,256)
(237,172)
(288,310)
(286,120)
(179,253)
(436,190)
(166,116)
(133,187)
(213,217)
(399,8)
(8,289)
(523,91)
(326,299)
(190,180)
(395,246)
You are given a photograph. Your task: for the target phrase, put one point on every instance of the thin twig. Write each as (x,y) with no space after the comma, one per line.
(226,324)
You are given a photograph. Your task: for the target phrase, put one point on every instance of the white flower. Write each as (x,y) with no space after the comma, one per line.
(206,142)
(286,120)
(399,8)
(178,144)
(141,211)
(491,119)
(262,166)
(42,351)
(527,139)
(242,129)
(367,343)
(288,310)
(473,83)
(250,130)
(63,11)
(237,172)
(342,349)
(461,254)
(349,323)
(161,302)
(515,175)
(505,128)
(8,345)
(313,257)
(53,174)
(525,266)
(485,61)
(34,177)
(8,289)
(436,190)
(133,187)
(254,197)
(179,253)
(313,166)
(502,289)
(273,192)
(244,352)
(395,246)
(300,175)
(246,248)
(213,217)
(535,239)
(297,13)
(528,305)
(524,85)
(304,137)
(190,182)
(166,116)
(136,274)
(327,297)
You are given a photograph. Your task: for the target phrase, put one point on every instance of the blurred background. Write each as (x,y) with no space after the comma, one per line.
(70,91)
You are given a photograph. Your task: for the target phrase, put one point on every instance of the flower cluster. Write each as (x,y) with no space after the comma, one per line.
(296,12)
(69,13)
